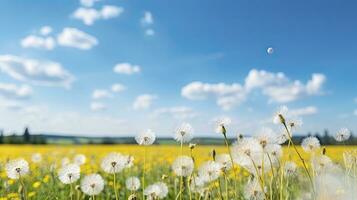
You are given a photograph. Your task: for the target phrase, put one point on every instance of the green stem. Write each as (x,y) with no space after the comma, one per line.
(115,187)
(234,170)
(143,176)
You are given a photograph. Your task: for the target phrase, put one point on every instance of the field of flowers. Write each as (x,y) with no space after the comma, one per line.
(256,167)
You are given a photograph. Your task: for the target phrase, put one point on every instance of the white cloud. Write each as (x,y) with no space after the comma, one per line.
(45,73)
(178,112)
(226,95)
(310,110)
(118,88)
(72,37)
(355,112)
(149,32)
(280,89)
(355,100)
(13,91)
(33,41)
(45,30)
(90,15)
(147,19)
(10,104)
(88,3)
(126,68)
(274,85)
(97,106)
(100,94)
(144,101)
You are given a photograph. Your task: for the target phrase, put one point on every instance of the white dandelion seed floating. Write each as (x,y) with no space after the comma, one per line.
(184,133)
(146,138)
(270,50)
(69,173)
(17,168)
(92,184)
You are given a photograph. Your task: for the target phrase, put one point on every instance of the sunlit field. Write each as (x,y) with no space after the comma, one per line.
(42,181)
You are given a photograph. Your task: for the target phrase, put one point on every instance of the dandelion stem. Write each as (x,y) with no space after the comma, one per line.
(24,192)
(300,157)
(115,187)
(143,176)
(234,169)
(181,177)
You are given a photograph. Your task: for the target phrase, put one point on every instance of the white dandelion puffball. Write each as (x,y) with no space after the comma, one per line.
(65,161)
(280,115)
(225,161)
(113,163)
(197,185)
(183,166)
(294,123)
(342,135)
(310,144)
(36,157)
(222,122)
(158,190)
(132,183)
(210,171)
(129,161)
(290,168)
(322,163)
(184,133)
(17,168)
(92,184)
(146,138)
(265,137)
(79,159)
(164,190)
(69,173)
(253,190)
(243,151)
(270,50)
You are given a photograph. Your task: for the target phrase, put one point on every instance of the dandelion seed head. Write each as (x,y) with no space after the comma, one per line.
(221,124)
(209,171)
(322,163)
(253,190)
(158,190)
(79,159)
(225,161)
(92,184)
(36,157)
(243,151)
(113,163)
(184,133)
(310,144)
(266,136)
(280,114)
(183,166)
(132,183)
(69,174)
(342,135)
(17,168)
(146,138)
(290,168)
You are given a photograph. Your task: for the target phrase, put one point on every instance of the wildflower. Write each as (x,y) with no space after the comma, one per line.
(79,159)
(65,161)
(36,184)
(113,163)
(197,184)
(290,168)
(36,157)
(183,166)
(266,136)
(321,163)
(158,190)
(253,190)
(243,151)
(280,114)
(192,146)
(92,184)
(17,168)
(275,152)
(282,136)
(129,161)
(310,144)
(225,161)
(294,123)
(184,133)
(209,171)
(342,135)
(69,173)
(146,138)
(221,124)
(132,183)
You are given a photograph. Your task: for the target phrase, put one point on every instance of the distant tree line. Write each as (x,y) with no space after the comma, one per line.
(25,138)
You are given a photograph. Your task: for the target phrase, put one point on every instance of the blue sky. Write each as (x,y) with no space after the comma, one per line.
(175,61)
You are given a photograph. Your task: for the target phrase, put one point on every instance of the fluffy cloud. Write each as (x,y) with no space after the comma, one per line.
(144,101)
(33,41)
(90,15)
(179,112)
(45,73)
(310,110)
(117,88)
(147,19)
(126,68)
(88,3)
(13,91)
(100,94)
(97,106)
(226,95)
(45,30)
(72,37)
(276,86)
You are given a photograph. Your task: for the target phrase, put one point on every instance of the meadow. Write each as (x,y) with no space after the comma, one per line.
(253,167)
